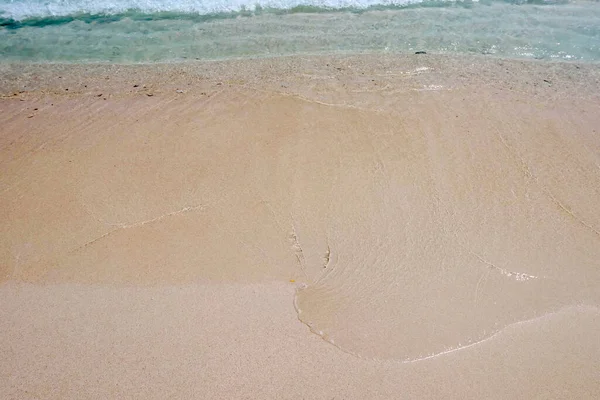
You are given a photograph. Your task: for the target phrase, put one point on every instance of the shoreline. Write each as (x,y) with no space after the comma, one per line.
(210,69)
(312,55)
(161,343)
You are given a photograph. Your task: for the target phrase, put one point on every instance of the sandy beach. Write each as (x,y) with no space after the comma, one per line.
(348,227)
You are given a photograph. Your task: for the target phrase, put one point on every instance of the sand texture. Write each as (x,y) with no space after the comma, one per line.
(301,227)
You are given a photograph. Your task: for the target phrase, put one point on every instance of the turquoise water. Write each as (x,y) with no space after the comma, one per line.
(167,30)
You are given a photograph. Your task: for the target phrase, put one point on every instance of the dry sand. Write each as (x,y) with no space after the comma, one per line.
(301,227)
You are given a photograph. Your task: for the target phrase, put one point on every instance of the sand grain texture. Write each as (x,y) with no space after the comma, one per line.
(351,227)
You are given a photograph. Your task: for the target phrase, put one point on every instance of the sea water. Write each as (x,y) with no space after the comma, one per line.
(128,31)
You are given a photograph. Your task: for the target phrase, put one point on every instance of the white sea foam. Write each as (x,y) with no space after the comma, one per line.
(19,10)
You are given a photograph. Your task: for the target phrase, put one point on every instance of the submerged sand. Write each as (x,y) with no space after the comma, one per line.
(301,227)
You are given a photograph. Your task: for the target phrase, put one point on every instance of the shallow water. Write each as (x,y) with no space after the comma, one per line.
(445,232)
(139,31)
(419,204)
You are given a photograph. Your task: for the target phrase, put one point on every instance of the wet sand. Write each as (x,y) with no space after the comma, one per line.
(301,227)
